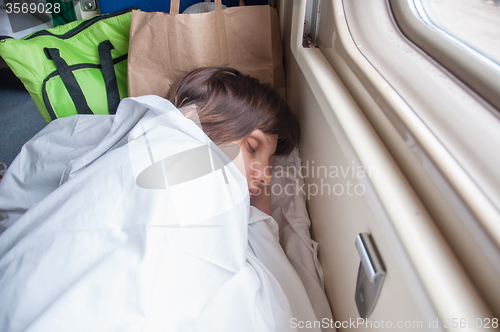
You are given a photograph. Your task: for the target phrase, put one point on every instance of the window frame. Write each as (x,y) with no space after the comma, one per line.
(476,70)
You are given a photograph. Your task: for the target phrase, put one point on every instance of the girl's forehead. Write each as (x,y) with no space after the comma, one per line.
(268,139)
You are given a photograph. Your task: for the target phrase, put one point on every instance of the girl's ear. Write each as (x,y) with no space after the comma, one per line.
(191,112)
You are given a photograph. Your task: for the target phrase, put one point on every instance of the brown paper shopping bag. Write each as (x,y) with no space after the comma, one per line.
(163,47)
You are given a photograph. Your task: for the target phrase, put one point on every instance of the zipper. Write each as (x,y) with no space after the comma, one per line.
(84,25)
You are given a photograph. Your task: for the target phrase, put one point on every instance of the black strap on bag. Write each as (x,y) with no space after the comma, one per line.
(71,84)
(69,81)
(108,72)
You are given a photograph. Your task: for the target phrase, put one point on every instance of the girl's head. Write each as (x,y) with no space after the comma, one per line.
(236,108)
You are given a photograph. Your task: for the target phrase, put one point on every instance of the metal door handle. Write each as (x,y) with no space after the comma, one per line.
(371,275)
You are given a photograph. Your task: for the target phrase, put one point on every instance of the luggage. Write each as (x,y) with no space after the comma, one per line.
(79,67)
(163,46)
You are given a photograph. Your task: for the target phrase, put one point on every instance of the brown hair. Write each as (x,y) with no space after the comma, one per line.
(231,105)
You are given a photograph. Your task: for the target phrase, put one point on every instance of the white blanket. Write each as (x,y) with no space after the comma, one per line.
(289,211)
(86,246)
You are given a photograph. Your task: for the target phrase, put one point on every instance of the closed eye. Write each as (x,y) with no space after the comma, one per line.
(251,148)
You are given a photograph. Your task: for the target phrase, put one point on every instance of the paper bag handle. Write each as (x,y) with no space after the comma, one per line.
(174,6)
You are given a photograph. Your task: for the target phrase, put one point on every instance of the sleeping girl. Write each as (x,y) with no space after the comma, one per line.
(87,243)
(236,108)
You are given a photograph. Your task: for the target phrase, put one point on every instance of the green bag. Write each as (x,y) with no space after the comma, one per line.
(76,68)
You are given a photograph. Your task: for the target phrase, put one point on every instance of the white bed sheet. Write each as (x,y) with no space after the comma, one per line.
(288,203)
(84,248)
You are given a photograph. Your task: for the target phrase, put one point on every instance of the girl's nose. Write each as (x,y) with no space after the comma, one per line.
(263,173)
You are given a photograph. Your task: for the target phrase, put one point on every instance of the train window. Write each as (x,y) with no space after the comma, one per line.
(473,22)
(453,33)
(436,105)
